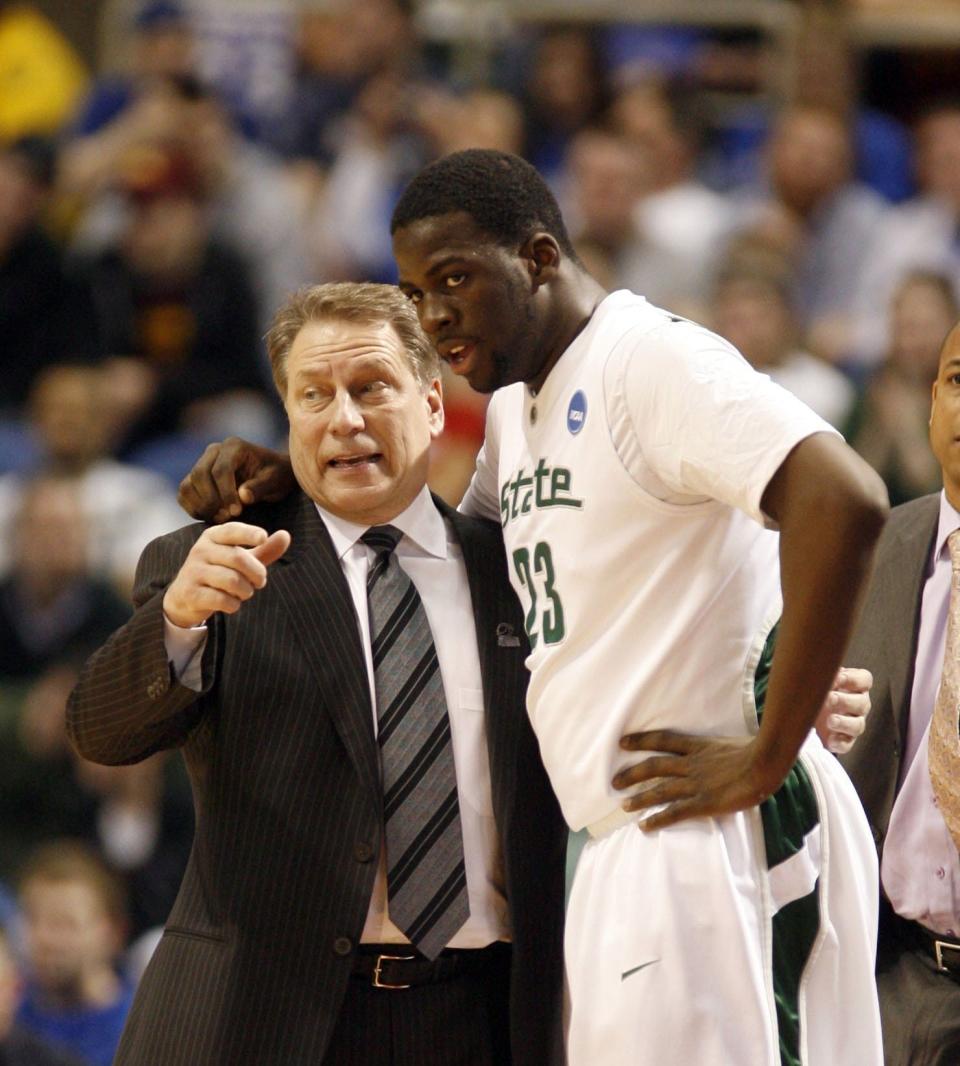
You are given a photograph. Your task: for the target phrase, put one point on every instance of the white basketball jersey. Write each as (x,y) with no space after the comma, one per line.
(629,493)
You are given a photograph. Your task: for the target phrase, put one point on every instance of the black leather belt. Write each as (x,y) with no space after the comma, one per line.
(944,950)
(398,966)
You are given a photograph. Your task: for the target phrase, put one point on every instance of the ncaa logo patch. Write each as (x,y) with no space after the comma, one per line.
(577,412)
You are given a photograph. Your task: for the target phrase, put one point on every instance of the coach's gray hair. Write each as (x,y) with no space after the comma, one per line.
(350,301)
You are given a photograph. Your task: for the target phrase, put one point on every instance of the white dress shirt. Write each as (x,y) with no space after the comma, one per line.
(431,556)
(920,869)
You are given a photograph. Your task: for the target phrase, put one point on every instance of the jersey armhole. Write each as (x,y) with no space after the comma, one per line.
(626,441)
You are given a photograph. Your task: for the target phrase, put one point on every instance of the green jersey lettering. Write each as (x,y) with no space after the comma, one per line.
(543,487)
(545,614)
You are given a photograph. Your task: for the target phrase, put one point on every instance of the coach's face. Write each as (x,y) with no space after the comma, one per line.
(360,422)
(480,302)
(945,416)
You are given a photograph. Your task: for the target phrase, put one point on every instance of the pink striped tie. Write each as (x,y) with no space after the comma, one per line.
(944,740)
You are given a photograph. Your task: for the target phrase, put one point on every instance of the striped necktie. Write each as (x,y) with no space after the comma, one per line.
(943,744)
(426,878)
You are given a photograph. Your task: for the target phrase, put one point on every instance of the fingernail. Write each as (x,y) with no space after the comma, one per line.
(834,721)
(833,700)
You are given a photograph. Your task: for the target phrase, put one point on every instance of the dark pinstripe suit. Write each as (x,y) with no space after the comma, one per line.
(255,959)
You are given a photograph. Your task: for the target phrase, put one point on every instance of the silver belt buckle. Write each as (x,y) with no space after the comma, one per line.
(939,946)
(381,959)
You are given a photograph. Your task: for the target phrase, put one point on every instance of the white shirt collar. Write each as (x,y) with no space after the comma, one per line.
(421,523)
(949,521)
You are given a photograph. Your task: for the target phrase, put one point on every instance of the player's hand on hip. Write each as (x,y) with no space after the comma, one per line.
(231,475)
(694,776)
(225,567)
(843,716)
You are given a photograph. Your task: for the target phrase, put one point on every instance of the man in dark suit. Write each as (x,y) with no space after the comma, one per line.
(281,947)
(901,638)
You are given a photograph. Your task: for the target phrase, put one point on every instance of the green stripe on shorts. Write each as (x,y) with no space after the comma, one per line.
(790,818)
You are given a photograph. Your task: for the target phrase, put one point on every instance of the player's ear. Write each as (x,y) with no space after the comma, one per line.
(542,256)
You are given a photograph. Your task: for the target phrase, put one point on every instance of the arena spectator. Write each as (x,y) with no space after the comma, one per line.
(376,153)
(250,199)
(139,819)
(891,427)
(45,313)
(478,118)
(74,918)
(246,52)
(51,612)
(607,175)
(566,90)
(86,511)
(918,235)
(751,308)
(821,67)
(827,75)
(340,47)
(141,825)
(679,212)
(250,196)
(170,295)
(75,429)
(823,219)
(51,609)
(18,1047)
(160,46)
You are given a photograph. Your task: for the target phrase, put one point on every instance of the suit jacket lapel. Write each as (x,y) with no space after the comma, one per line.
(312,584)
(902,598)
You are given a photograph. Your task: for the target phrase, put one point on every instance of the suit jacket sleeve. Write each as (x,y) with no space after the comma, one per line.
(127,704)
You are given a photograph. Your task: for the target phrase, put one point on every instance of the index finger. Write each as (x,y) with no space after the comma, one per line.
(236,533)
(666,740)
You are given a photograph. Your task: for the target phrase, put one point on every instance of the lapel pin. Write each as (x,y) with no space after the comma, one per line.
(506,637)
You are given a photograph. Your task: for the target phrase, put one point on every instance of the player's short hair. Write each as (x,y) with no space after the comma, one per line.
(70,862)
(502,193)
(350,301)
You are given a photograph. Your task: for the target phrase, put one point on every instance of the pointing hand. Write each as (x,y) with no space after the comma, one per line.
(225,567)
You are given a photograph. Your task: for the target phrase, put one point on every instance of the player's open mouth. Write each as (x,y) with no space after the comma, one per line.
(457,356)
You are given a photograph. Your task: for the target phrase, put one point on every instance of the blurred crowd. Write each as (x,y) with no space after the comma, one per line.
(151,218)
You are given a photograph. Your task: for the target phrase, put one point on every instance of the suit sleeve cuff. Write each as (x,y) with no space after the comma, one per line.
(185,652)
